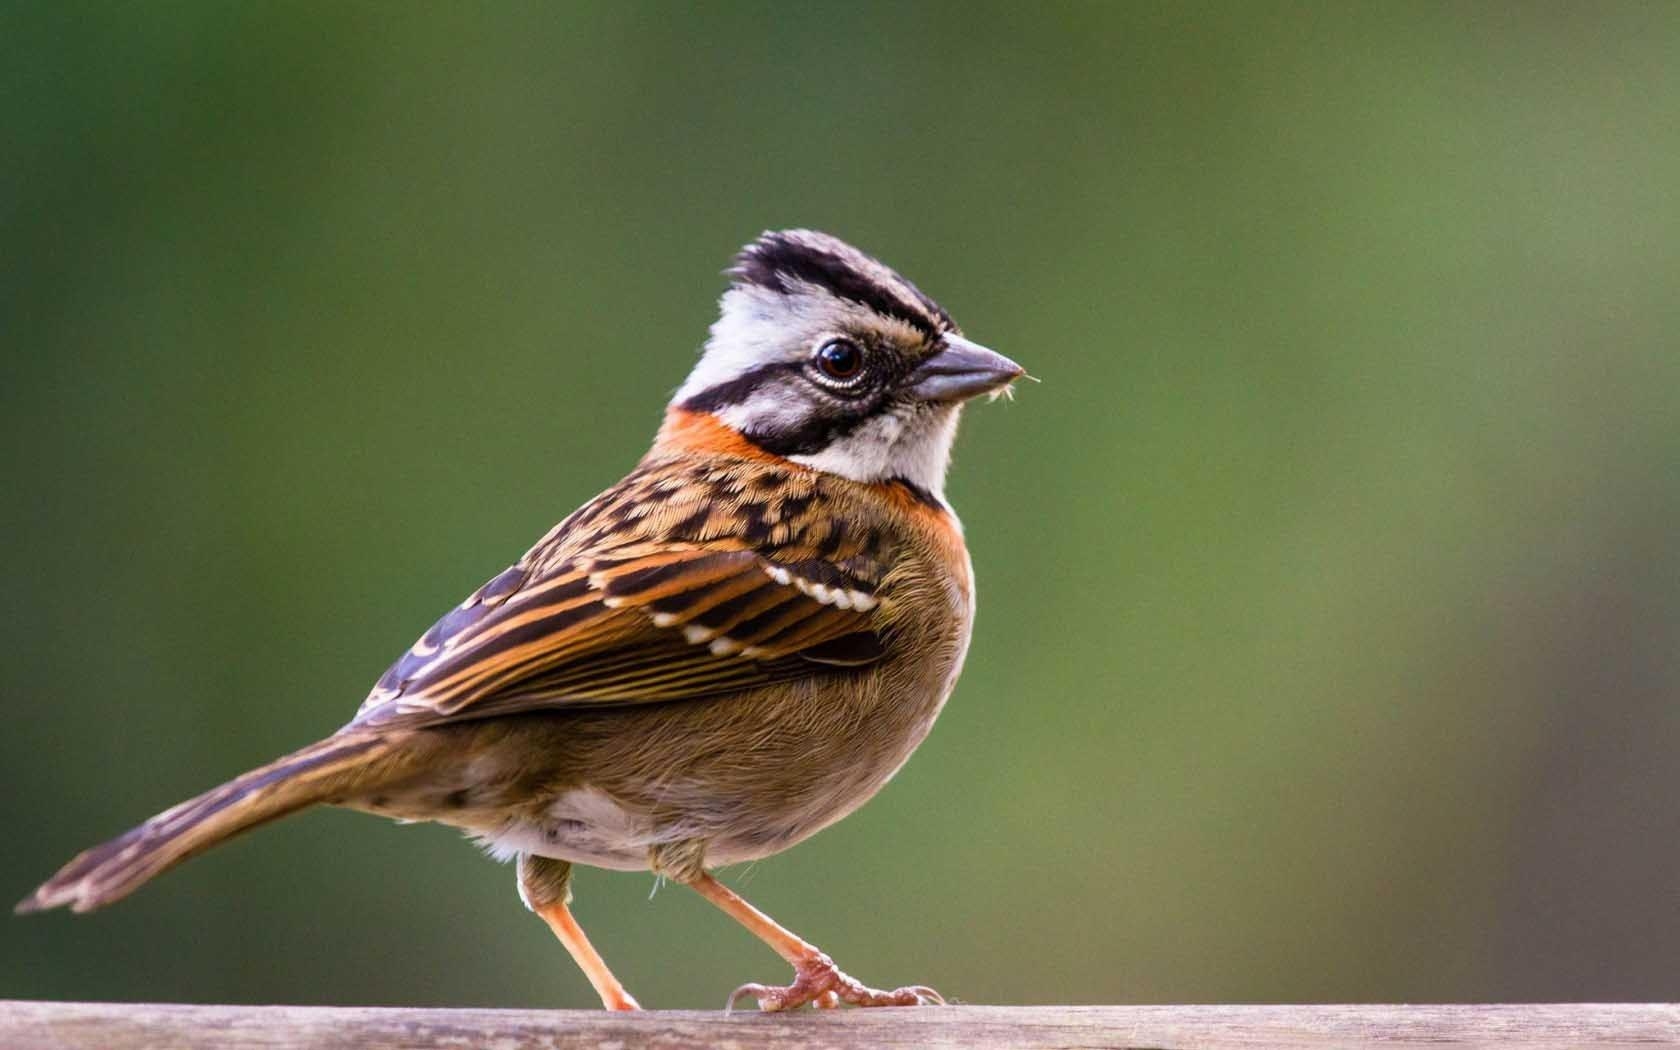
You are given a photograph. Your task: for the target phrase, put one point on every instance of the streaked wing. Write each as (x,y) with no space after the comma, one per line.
(647,622)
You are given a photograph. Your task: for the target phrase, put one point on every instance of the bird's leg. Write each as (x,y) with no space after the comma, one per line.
(815,977)
(545,885)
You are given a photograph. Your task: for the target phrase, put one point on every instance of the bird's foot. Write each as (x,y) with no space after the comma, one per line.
(817,980)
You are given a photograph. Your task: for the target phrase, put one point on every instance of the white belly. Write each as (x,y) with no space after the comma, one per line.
(585,826)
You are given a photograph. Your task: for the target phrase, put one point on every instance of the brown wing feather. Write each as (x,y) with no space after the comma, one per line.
(631,617)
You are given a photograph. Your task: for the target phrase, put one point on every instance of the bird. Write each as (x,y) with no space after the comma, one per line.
(730,649)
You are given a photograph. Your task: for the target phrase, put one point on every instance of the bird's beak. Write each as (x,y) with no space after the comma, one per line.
(961,370)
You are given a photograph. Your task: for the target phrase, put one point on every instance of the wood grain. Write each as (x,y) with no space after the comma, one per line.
(131,1026)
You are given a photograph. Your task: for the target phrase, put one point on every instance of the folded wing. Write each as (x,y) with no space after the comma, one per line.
(642,624)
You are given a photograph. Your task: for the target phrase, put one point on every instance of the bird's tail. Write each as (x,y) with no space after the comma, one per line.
(322,772)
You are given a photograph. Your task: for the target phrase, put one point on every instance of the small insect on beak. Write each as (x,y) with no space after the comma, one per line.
(961,370)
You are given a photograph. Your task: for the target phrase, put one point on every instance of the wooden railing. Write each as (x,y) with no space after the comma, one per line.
(131,1026)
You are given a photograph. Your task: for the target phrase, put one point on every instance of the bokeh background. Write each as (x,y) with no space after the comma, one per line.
(1330,593)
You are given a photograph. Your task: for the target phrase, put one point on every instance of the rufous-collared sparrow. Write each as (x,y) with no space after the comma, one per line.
(730,649)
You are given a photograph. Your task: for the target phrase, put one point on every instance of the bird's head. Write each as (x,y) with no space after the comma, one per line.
(826,357)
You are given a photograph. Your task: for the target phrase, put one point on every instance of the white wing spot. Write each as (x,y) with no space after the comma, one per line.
(839,597)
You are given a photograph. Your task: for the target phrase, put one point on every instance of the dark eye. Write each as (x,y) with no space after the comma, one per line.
(840,360)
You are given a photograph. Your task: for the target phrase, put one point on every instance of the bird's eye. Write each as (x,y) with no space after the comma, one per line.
(840,360)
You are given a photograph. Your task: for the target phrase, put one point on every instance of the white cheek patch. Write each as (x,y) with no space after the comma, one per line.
(917,449)
(771,410)
(863,455)
(924,454)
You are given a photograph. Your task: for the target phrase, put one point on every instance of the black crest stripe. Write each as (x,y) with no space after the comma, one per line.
(774,258)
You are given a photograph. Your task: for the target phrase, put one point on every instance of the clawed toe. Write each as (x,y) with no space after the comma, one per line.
(762,992)
(821,983)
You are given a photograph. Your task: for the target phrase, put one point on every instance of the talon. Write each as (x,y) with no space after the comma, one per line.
(820,983)
(756,991)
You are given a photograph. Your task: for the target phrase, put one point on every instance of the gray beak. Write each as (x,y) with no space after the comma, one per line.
(961,370)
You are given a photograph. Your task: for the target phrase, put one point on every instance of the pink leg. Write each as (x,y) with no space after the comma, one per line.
(815,977)
(612,993)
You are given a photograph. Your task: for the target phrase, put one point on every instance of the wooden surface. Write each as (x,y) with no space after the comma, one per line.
(125,1026)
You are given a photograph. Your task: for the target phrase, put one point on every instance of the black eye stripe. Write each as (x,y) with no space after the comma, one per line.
(833,417)
(737,390)
(825,424)
(734,391)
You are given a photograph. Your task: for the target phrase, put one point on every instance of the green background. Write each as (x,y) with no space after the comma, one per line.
(1329,628)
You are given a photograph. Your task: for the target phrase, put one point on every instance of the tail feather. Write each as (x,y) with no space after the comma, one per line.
(107,873)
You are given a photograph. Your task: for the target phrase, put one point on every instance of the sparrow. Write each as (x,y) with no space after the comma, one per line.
(730,649)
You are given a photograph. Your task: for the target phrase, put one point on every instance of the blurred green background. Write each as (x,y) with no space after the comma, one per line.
(1330,592)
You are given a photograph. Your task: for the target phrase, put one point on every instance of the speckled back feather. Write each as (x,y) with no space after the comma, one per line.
(696,575)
